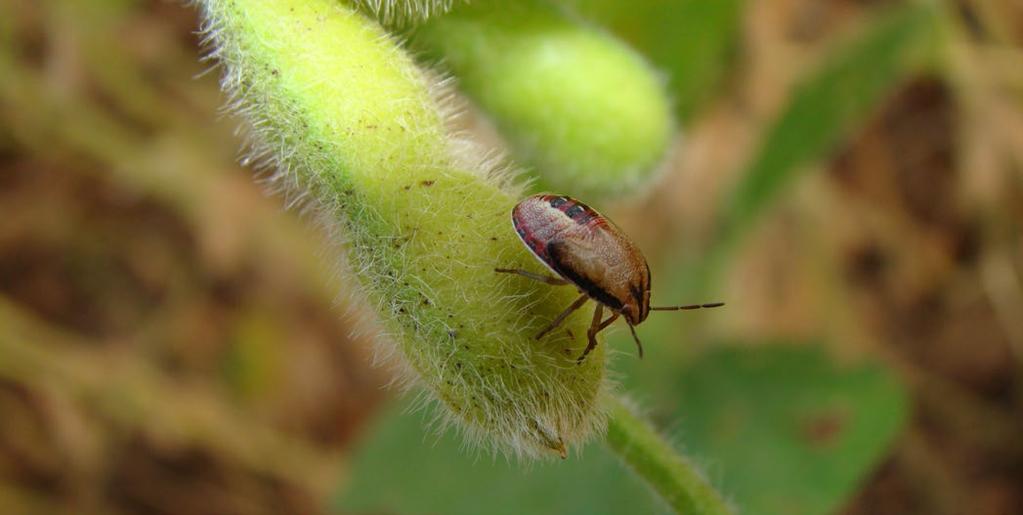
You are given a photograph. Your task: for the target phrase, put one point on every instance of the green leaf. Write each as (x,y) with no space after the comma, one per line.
(405,469)
(822,110)
(783,429)
(829,105)
(780,429)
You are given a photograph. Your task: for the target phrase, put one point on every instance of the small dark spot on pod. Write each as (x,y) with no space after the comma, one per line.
(427,183)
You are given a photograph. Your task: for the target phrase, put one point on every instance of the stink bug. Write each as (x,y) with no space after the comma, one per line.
(585,249)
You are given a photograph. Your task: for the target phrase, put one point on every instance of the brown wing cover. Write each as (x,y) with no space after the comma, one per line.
(586,248)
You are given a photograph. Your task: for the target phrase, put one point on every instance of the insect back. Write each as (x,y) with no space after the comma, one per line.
(587,250)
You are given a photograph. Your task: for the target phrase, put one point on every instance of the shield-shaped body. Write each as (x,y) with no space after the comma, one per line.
(584,247)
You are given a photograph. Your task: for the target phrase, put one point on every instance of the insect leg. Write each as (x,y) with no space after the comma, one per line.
(691,306)
(591,333)
(536,277)
(595,329)
(564,314)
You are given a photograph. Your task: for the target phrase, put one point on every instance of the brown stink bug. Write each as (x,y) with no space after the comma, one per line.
(585,249)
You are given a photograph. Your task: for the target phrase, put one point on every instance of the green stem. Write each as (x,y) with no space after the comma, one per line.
(650,456)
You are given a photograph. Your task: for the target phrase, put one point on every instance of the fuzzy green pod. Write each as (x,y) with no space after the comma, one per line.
(346,119)
(584,109)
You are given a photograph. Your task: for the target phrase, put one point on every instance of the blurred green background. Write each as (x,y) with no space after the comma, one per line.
(849,178)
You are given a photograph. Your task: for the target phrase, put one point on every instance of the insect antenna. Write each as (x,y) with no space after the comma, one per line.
(690,306)
(634,337)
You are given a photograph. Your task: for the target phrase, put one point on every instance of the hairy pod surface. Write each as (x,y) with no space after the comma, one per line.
(345,117)
(399,13)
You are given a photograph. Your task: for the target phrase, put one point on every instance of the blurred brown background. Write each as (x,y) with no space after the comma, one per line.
(170,340)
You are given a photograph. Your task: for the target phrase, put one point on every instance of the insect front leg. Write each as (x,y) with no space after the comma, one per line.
(536,277)
(564,314)
(596,326)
